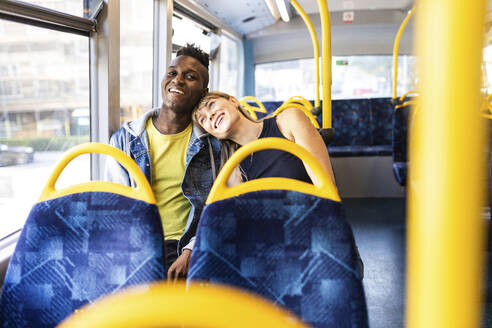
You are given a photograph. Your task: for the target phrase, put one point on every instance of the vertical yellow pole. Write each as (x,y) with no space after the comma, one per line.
(396,47)
(314,39)
(445,233)
(325,62)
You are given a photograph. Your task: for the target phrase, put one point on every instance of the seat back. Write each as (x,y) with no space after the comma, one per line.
(178,305)
(81,243)
(400,141)
(293,247)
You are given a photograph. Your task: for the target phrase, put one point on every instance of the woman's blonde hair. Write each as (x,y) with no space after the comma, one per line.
(227,146)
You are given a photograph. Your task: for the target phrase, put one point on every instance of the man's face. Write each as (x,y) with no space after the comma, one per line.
(183,86)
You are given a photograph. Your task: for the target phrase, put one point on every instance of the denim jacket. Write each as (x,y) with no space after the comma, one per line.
(202,160)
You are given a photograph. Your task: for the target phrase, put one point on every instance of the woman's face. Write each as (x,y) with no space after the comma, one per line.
(219,117)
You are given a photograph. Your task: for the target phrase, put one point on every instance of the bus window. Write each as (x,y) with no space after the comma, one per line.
(72,7)
(353,77)
(371,76)
(229,64)
(136,58)
(186,30)
(281,80)
(44,110)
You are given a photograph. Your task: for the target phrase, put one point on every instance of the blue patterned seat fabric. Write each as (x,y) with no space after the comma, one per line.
(296,250)
(76,248)
(363,127)
(400,144)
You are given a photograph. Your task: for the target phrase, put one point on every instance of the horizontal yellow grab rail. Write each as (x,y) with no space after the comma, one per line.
(301,100)
(325,187)
(260,107)
(308,113)
(250,109)
(406,94)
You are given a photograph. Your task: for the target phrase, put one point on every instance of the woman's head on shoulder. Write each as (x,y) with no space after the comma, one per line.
(219,113)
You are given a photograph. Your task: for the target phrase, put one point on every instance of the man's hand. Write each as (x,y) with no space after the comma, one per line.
(179,268)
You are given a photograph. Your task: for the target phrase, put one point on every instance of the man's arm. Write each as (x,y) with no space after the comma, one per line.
(113,171)
(179,269)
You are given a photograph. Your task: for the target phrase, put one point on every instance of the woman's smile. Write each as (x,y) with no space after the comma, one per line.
(218,120)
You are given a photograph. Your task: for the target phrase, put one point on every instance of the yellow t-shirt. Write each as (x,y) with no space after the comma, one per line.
(168,156)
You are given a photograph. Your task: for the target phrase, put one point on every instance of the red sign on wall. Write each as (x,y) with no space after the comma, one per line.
(348,16)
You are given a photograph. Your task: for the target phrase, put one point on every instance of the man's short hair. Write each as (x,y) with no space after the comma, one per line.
(194,51)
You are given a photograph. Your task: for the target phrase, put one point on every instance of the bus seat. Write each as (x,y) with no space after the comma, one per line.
(80,243)
(327,134)
(166,304)
(400,142)
(293,247)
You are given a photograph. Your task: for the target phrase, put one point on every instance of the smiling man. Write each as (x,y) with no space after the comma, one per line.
(178,158)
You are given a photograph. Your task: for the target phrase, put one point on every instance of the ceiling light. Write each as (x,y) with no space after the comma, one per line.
(273,9)
(284,13)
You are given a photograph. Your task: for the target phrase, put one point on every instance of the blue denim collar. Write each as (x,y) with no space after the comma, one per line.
(138,142)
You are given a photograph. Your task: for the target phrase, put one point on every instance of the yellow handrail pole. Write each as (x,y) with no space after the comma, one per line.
(408,93)
(396,47)
(445,233)
(314,39)
(260,109)
(326,61)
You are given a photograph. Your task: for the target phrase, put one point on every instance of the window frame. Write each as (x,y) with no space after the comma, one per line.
(29,14)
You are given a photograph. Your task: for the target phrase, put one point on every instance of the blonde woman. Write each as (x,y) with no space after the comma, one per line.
(221,115)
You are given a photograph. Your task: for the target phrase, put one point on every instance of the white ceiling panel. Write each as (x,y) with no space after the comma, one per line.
(311,6)
(243,16)
(247,16)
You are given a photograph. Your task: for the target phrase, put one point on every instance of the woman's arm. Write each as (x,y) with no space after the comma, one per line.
(295,126)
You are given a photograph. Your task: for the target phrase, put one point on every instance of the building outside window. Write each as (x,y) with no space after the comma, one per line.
(44,110)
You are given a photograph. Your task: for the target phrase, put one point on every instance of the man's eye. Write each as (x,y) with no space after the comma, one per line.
(171,73)
(190,76)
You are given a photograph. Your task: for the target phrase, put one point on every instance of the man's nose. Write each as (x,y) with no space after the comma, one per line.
(179,79)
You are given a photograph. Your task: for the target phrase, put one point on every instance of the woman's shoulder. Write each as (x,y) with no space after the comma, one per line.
(292,117)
